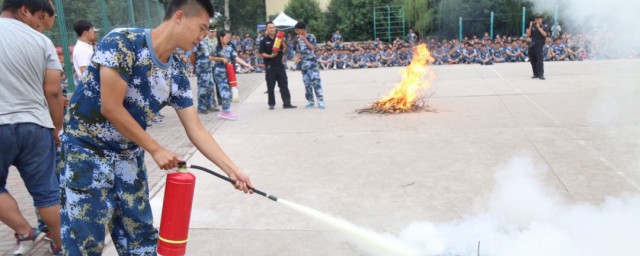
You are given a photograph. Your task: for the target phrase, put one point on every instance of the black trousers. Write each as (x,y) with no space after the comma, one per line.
(278,74)
(535,57)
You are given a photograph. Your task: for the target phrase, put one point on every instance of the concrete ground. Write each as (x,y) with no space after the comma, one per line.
(383,172)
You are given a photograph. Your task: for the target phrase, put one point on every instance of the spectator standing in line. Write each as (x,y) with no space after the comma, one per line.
(83,50)
(201,60)
(309,64)
(104,182)
(537,31)
(31,119)
(412,37)
(275,69)
(212,40)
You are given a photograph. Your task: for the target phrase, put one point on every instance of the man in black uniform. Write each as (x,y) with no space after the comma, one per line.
(275,70)
(538,34)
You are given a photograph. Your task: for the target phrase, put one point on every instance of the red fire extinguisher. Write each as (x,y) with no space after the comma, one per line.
(233,82)
(278,41)
(176,212)
(231,74)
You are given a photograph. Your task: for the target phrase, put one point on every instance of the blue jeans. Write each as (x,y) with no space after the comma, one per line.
(30,148)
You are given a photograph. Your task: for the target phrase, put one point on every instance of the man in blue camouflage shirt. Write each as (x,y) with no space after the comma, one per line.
(133,74)
(310,72)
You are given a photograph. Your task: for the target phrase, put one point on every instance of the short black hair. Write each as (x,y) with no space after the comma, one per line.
(32,5)
(81,26)
(300,25)
(191,7)
(270,22)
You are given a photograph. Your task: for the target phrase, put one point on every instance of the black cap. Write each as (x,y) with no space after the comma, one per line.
(300,25)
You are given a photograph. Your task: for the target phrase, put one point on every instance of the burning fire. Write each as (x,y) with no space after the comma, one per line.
(415,78)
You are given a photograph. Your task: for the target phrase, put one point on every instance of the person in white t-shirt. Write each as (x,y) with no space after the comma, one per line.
(83,49)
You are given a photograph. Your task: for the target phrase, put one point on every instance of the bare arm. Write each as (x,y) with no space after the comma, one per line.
(309,44)
(239,60)
(207,145)
(55,99)
(112,92)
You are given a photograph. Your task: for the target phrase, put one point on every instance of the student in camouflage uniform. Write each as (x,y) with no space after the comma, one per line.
(200,59)
(222,55)
(310,73)
(134,73)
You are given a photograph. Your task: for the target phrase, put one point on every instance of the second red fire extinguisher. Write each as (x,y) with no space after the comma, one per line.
(233,81)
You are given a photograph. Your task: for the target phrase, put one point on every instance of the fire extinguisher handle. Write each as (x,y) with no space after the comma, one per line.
(272,197)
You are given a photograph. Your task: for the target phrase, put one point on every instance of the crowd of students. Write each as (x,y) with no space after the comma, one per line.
(337,54)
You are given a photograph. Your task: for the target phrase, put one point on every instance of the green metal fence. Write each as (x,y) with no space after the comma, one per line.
(388,23)
(105,15)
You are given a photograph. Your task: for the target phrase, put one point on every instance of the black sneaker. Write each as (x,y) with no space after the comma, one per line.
(534,77)
(289,106)
(270,107)
(542,78)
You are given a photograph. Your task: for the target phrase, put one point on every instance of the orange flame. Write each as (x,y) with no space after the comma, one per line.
(416,76)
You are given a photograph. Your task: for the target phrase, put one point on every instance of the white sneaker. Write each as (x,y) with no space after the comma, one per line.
(25,244)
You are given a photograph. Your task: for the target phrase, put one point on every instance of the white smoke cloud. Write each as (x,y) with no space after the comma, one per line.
(615,21)
(523,217)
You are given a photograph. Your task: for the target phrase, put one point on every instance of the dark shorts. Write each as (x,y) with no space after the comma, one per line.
(30,148)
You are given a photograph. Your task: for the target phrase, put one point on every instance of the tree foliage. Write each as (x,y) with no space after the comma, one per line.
(310,13)
(354,18)
(243,15)
(420,15)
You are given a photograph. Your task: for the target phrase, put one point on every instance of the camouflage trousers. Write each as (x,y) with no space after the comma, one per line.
(105,193)
(206,92)
(220,76)
(311,80)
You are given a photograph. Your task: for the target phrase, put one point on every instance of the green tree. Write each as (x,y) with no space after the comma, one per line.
(420,15)
(354,18)
(243,15)
(310,13)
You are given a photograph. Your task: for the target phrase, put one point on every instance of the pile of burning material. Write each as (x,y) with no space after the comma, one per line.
(405,97)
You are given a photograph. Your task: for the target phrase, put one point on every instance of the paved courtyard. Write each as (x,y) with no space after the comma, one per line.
(580,128)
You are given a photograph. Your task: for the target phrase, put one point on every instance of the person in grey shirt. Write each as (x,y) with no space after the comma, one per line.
(31,109)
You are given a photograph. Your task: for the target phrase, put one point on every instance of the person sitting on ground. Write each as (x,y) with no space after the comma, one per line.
(575,51)
(385,57)
(341,59)
(546,49)
(485,57)
(404,57)
(325,60)
(512,52)
(497,53)
(258,63)
(373,59)
(558,50)
(439,56)
(469,54)
(357,59)
(455,54)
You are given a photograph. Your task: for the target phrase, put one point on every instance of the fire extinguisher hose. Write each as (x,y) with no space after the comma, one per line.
(272,197)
